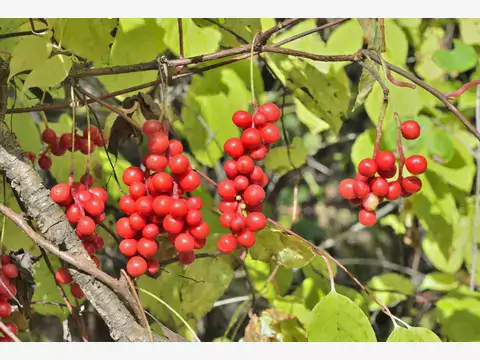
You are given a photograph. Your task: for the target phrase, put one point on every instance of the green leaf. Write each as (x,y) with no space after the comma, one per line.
(88,38)
(390,288)
(397,45)
(282,159)
(413,334)
(244,27)
(470,31)
(363,146)
(337,319)
(372,32)
(365,86)
(462,58)
(309,119)
(425,65)
(29,52)
(49,73)
(346,38)
(439,281)
(440,144)
(317,268)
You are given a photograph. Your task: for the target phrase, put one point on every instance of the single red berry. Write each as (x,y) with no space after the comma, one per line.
(410,130)
(87,180)
(10,271)
(128,247)
(226,189)
(136,266)
(147,247)
(94,132)
(238,223)
(85,225)
(186,258)
(245,165)
(158,143)
(241,183)
(190,181)
(175,147)
(416,164)
(259,119)
(379,186)
(271,110)
(256,176)
(228,206)
(84,196)
(143,205)
(345,188)
(242,119)
(56,149)
(137,221)
(151,127)
(194,203)
(254,195)
(44,162)
(127,204)
(226,218)
(194,217)
(124,230)
(361,189)
(137,189)
(367,167)
(259,153)
(162,204)
(100,193)
(162,182)
(95,260)
(98,241)
(270,134)
(5,259)
(49,136)
(179,164)
(200,243)
(385,160)
(76,291)
(256,221)
(132,174)
(83,146)
(200,231)
(31,156)
(360,177)
(412,184)
(5,309)
(227,244)
(66,141)
(172,224)
(246,239)
(370,202)
(251,138)
(94,207)
(61,193)
(89,248)
(150,231)
(184,242)
(234,148)
(179,207)
(367,218)
(152,266)
(388,174)
(99,140)
(394,190)
(230,168)
(156,162)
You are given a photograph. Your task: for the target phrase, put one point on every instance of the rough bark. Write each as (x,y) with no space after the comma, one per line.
(55,227)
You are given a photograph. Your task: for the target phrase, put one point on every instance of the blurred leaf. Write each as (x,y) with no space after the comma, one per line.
(372,32)
(49,73)
(440,144)
(346,38)
(470,31)
(337,319)
(273,326)
(413,334)
(281,160)
(244,27)
(365,86)
(390,288)
(462,58)
(363,146)
(30,52)
(439,281)
(397,45)
(394,222)
(309,119)
(425,65)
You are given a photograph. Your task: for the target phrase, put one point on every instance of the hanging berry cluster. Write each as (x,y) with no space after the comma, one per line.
(7,292)
(368,190)
(244,187)
(156,204)
(59,145)
(84,209)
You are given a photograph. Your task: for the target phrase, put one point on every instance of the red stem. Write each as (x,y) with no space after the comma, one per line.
(397,82)
(455,94)
(378,139)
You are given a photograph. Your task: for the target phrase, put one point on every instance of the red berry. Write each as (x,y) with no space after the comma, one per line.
(124,230)
(361,189)
(360,177)
(94,207)
(385,160)
(370,202)
(184,242)
(66,141)
(367,218)
(30,156)
(245,165)
(226,218)
(387,174)
(137,221)
(152,266)
(242,119)
(227,244)
(259,119)
(394,190)
(5,309)
(416,164)
(84,196)
(83,146)
(186,258)
(194,203)
(162,204)
(98,241)
(200,231)
(10,326)
(76,291)
(246,239)
(87,180)
(5,259)
(57,149)
(271,110)
(194,217)
(158,143)
(175,147)
(256,221)
(137,189)
(412,184)
(136,266)
(61,193)
(379,186)
(128,247)
(238,223)
(100,193)
(96,260)
(367,167)
(259,153)
(132,174)
(147,248)
(49,136)
(151,127)
(251,138)
(143,205)
(270,134)
(234,148)
(127,204)
(179,207)
(355,202)
(10,271)
(94,132)
(156,162)
(226,189)
(345,188)
(228,206)
(85,225)
(162,182)
(190,181)
(241,183)
(179,164)
(410,130)
(172,224)
(89,247)
(257,175)
(230,168)
(150,231)
(44,162)
(200,243)
(254,195)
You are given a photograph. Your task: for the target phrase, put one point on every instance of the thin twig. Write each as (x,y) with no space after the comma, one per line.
(180,37)
(7,332)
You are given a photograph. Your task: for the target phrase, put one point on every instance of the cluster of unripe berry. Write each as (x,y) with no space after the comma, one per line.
(7,292)
(58,145)
(156,204)
(85,208)
(243,190)
(368,189)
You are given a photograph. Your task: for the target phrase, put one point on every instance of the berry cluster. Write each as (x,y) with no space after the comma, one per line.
(84,209)
(7,291)
(244,187)
(368,190)
(59,145)
(156,204)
